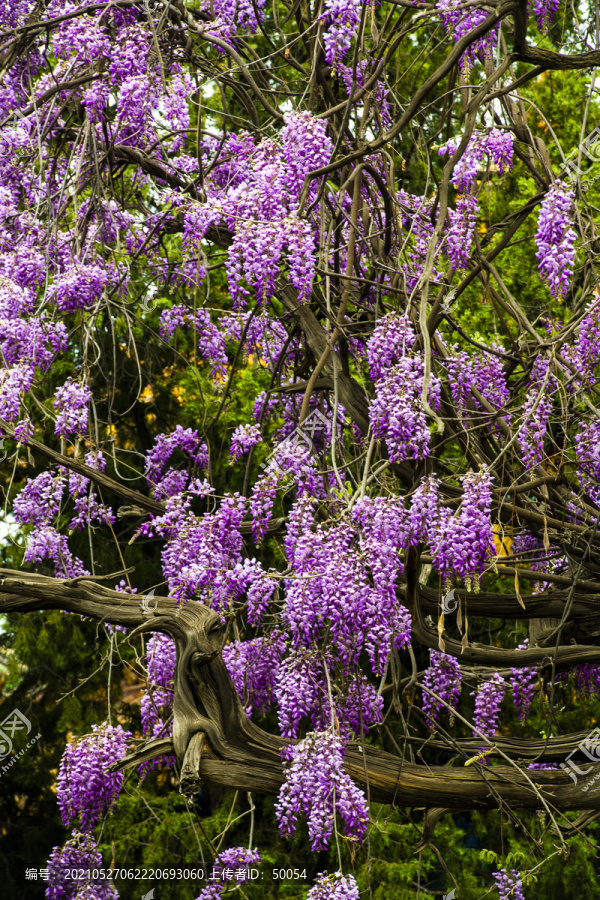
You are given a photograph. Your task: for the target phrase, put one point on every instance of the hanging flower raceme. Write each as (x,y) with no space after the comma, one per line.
(555,237)
(396,412)
(443,677)
(317,786)
(524,681)
(509,884)
(289,461)
(210,337)
(47,543)
(253,666)
(484,372)
(231,867)
(466,540)
(461,544)
(203,554)
(587,678)
(174,481)
(334,887)
(341,18)
(243,439)
(259,205)
(161,659)
(157,701)
(459,21)
(303,691)
(79,854)
(495,144)
(536,412)
(545,10)
(71,403)
(459,236)
(85,789)
(587,444)
(39,501)
(488,698)
(343,582)
(584,353)
(417,213)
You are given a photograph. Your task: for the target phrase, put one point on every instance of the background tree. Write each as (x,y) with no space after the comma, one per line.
(299,331)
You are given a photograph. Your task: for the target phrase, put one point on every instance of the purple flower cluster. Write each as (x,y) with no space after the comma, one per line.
(257,197)
(555,237)
(459,22)
(157,701)
(71,403)
(334,887)
(156,714)
(466,541)
(46,543)
(211,339)
(460,233)
(344,581)
(161,660)
(587,678)
(417,213)
(302,691)
(289,462)
(545,10)
(488,699)
(85,789)
(230,866)
(358,75)
(253,666)
(587,449)
(509,884)
(203,554)
(305,146)
(342,18)
(173,481)
(584,353)
(483,371)
(524,683)
(79,287)
(317,786)
(536,412)
(243,439)
(39,501)
(15,13)
(26,340)
(396,411)
(443,677)
(461,544)
(495,144)
(79,853)
(392,338)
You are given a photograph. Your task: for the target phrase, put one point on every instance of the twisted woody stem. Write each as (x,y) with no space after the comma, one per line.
(215,740)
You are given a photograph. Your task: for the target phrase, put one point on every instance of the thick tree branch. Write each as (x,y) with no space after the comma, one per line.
(234,752)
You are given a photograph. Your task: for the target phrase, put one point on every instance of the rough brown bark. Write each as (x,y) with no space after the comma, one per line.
(214,739)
